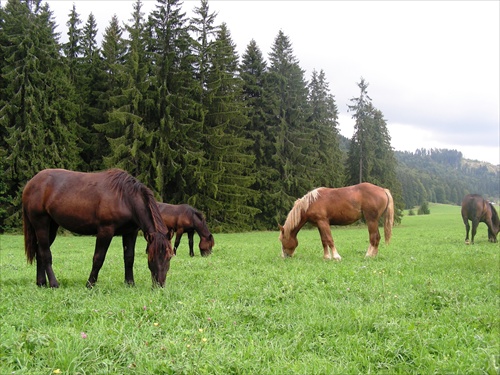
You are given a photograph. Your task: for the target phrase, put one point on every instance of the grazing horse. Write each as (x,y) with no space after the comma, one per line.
(104,204)
(323,207)
(478,210)
(184,218)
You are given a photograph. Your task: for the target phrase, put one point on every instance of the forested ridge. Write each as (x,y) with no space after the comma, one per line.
(444,176)
(168,99)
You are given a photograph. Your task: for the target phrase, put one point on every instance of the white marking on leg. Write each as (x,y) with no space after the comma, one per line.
(336,255)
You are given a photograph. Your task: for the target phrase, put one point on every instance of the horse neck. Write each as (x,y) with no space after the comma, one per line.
(292,231)
(147,219)
(200,226)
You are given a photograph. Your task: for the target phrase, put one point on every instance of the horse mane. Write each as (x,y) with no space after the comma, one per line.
(199,214)
(301,205)
(127,185)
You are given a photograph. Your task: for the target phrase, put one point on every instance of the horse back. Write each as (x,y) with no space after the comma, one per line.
(347,205)
(176,216)
(80,202)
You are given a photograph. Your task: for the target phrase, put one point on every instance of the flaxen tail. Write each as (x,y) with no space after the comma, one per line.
(30,241)
(389,217)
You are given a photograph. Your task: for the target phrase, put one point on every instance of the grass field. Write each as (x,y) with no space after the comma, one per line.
(428,304)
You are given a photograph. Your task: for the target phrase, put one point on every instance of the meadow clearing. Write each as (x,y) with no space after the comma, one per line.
(428,304)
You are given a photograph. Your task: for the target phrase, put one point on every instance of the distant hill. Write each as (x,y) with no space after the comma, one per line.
(442,176)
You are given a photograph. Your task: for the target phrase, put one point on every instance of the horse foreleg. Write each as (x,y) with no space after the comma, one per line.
(327,241)
(191,242)
(374,239)
(492,237)
(101,247)
(128,256)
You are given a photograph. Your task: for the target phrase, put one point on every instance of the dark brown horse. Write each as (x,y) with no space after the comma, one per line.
(104,204)
(478,210)
(186,219)
(343,206)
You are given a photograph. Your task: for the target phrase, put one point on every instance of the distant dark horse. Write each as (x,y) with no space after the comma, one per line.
(186,219)
(478,210)
(104,204)
(343,206)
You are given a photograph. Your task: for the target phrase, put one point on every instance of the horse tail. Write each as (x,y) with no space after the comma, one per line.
(30,241)
(389,217)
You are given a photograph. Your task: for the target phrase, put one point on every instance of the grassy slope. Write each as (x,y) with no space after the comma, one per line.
(426,304)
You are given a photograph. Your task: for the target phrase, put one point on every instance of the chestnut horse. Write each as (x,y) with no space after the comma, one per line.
(104,204)
(478,210)
(323,207)
(183,218)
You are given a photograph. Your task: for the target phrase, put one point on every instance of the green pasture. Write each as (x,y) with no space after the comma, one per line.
(428,304)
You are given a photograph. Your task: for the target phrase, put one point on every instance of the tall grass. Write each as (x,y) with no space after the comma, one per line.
(427,304)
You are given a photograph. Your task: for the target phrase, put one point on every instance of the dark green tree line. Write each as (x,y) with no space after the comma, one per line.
(167,98)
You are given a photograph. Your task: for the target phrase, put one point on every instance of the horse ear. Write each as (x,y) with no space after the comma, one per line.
(280,227)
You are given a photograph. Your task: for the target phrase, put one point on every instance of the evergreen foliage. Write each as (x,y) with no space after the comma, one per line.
(166,98)
(370,157)
(37,116)
(442,176)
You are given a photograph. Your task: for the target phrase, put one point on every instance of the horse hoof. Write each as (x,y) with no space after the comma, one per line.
(467,242)
(89,285)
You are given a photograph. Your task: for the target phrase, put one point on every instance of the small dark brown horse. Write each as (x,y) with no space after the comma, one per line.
(183,218)
(323,207)
(104,204)
(479,210)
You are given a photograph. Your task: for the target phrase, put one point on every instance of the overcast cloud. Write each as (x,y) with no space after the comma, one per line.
(432,66)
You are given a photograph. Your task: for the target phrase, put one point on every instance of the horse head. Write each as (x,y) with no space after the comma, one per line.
(495,224)
(288,243)
(160,252)
(206,244)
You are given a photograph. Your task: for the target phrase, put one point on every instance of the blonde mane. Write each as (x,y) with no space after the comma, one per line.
(301,205)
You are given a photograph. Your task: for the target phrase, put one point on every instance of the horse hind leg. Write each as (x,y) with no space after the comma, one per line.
(475,224)
(374,239)
(45,234)
(467,229)
(178,236)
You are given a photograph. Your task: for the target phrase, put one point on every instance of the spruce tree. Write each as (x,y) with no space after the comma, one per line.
(287,105)
(92,86)
(175,122)
(228,196)
(73,48)
(371,157)
(327,166)
(113,49)
(253,71)
(37,114)
(124,126)
(361,148)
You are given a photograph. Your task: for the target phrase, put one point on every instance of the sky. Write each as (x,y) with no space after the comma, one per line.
(432,66)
